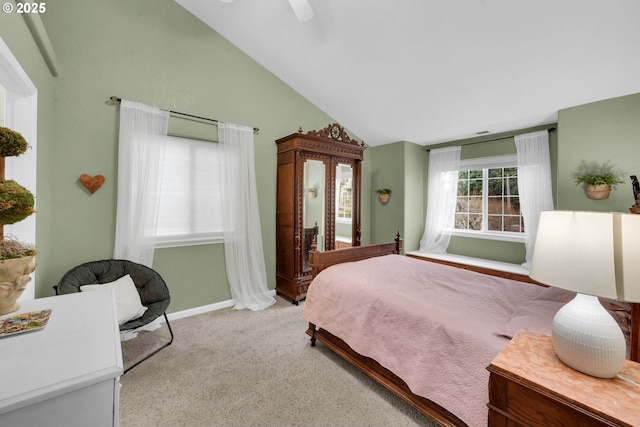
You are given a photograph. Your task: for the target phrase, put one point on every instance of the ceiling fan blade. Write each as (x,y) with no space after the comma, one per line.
(302,9)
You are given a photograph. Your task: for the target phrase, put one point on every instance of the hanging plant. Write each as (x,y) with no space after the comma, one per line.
(597,179)
(384,194)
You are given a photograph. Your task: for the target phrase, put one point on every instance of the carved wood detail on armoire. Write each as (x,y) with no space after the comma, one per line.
(317,198)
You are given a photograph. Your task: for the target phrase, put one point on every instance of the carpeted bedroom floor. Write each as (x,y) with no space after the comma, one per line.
(242,368)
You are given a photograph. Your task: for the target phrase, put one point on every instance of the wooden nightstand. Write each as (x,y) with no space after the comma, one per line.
(530,386)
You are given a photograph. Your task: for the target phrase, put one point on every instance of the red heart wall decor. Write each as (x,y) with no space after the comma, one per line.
(93,183)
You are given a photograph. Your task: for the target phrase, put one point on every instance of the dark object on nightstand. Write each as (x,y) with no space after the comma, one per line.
(636,195)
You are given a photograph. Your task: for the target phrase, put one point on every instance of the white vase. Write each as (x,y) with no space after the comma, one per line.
(587,338)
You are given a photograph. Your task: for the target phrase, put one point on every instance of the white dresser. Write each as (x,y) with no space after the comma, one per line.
(67,373)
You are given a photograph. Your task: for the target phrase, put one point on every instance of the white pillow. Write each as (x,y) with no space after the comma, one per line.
(128,304)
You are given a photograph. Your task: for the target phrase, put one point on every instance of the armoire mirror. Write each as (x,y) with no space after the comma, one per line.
(314,184)
(344,206)
(318,200)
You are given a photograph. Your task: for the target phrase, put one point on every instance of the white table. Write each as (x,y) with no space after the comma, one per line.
(67,373)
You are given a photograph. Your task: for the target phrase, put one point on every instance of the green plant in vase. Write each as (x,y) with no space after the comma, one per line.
(598,179)
(383,194)
(17,259)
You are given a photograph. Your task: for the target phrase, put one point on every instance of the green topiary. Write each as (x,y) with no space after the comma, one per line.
(16,202)
(12,143)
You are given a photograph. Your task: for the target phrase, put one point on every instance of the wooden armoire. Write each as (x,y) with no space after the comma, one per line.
(318,199)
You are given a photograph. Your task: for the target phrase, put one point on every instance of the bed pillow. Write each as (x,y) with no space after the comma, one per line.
(538,313)
(128,304)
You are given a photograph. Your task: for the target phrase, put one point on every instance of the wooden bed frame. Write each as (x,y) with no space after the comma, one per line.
(386,378)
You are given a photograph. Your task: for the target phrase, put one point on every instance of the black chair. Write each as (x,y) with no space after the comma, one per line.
(154,293)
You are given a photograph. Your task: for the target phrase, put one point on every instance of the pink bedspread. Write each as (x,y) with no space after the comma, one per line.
(430,324)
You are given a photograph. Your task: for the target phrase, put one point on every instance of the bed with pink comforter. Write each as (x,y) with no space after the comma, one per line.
(435,326)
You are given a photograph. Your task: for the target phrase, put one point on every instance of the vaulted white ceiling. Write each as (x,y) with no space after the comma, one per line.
(430,71)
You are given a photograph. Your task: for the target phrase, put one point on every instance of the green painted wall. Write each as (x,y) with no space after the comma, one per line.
(414,190)
(607,130)
(386,166)
(399,166)
(155,52)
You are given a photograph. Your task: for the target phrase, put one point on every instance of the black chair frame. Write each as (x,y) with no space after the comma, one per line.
(153,290)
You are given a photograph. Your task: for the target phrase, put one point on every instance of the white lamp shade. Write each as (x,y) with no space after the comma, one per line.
(595,253)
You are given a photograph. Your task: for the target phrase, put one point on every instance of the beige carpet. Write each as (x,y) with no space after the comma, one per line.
(242,368)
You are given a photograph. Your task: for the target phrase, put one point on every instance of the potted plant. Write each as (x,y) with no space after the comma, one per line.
(313,192)
(598,179)
(383,195)
(17,259)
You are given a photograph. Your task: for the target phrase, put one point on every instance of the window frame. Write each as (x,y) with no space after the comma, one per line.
(481,163)
(339,177)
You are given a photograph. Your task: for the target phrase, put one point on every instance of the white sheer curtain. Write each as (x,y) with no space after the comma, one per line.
(444,164)
(534,183)
(244,255)
(141,148)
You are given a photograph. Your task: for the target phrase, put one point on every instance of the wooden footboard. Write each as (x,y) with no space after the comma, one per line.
(384,377)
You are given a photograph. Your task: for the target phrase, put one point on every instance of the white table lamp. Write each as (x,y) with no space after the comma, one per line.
(596,254)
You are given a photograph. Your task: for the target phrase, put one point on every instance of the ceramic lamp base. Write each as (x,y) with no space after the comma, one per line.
(588,339)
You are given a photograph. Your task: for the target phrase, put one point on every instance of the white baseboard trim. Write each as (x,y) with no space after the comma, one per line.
(205,308)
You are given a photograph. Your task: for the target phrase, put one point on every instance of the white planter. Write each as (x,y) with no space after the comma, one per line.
(598,192)
(384,198)
(14,276)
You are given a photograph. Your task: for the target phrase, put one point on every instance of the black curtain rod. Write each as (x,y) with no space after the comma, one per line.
(491,140)
(117,101)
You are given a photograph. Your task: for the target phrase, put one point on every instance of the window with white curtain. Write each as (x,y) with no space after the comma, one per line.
(344,199)
(190,203)
(488,203)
